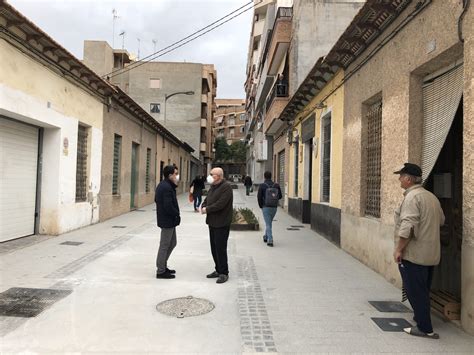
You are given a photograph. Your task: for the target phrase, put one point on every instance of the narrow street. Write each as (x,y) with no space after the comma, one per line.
(303,295)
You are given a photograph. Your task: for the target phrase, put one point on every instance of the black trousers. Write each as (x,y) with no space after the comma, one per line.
(417,282)
(219,237)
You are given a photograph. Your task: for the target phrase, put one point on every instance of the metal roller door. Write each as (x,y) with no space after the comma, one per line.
(18,176)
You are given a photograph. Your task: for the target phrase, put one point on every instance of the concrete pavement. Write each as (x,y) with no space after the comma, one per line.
(305,295)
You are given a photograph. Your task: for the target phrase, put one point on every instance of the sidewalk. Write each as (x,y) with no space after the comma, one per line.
(305,295)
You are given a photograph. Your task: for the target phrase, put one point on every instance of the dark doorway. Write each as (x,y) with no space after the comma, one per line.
(445,181)
(133,175)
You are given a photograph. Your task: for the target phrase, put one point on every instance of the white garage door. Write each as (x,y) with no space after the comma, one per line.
(18,170)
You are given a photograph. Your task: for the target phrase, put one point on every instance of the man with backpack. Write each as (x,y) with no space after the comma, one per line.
(268,195)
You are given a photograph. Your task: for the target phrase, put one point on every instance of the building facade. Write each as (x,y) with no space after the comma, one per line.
(229,120)
(180,96)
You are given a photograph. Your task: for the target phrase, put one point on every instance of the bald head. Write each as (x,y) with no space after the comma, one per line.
(218,175)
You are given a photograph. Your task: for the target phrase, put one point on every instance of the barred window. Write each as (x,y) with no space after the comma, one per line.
(147,171)
(326,159)
(116,165)
(374,160)
(81,165)
(297,153)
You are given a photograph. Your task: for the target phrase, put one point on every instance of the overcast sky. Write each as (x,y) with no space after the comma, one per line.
(70,22)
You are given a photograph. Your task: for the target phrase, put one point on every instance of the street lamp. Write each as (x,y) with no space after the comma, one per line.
(171,95)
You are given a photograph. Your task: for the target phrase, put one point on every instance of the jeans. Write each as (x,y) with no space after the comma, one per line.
(167,244)
(268,214)
(247,188)
(197,200)
(219,238)
(417,282)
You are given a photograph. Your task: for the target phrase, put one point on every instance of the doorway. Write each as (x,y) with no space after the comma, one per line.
(133,176)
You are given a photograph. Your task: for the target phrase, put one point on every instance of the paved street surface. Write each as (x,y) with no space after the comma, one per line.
(303,296)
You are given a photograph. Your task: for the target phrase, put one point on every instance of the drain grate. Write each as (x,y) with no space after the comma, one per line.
(119,226)
(72,243)
(390,306)
(391,324)
(297,226)
(140,210)
(292,229)
(28,302)
(185,307)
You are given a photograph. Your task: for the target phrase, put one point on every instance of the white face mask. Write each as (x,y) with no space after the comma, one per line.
(177,178)
(210,179)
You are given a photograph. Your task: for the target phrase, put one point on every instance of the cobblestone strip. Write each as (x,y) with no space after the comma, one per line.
(255,327)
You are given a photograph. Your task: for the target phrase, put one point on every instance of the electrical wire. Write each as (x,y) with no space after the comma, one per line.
(193,36)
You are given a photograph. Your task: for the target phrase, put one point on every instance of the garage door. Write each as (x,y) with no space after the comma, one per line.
(18,170)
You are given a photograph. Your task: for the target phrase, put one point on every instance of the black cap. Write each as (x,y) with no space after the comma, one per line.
(410,169)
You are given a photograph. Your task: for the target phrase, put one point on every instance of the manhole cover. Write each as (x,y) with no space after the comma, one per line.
(390,306)
(185,307)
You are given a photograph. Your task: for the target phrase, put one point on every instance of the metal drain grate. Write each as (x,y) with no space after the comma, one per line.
(140,210)
(28,302)
(292,229)
(390,306)
(72,243)
(185,307)
(297,226)
(119,226)
(392,324)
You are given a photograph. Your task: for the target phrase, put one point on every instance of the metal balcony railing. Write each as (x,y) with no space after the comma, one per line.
(280,89)
(284,12)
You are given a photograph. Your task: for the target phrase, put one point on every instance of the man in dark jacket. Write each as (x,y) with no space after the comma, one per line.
(167,215)
(198,186)
(268,211)
(248,184)
(218,207)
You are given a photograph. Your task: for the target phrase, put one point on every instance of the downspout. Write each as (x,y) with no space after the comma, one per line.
(466,4)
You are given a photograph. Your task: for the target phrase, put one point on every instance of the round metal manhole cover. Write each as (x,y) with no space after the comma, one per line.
(185,307)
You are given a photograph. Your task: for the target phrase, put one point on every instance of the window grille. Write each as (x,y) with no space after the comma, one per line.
(81,166)
(116,165)
(374,160)
(297,153)
(147,171)
(281,168)
(326,171)
(155,108)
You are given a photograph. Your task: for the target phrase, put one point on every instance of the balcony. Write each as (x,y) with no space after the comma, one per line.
(276,102)
(280,40)
(203,123)
(202,147)
(204,98)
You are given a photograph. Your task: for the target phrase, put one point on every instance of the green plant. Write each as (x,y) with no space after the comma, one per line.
(248,215)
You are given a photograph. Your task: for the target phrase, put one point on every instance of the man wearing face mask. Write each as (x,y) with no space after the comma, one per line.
(167,214)
(218,209)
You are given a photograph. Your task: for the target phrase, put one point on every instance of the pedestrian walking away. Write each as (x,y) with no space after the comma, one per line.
(417,249)
(168,217)
(218,209)
(269,193)
(197,185)
(248,184)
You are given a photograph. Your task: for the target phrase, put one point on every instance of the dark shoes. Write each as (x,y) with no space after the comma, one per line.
(264,238)
(171,271)
(270,244)
(165,275)
(222,278)
(213,275)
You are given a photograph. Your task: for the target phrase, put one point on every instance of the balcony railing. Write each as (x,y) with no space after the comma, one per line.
(280,89)
(284,12)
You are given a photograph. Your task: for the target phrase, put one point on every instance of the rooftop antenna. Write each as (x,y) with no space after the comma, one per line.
(138,55)
(114,18)
(123,39)
(154,45)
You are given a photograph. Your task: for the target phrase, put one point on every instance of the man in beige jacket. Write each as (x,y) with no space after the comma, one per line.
(417,226)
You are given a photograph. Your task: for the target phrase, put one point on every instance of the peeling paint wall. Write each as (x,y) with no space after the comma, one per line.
(35,94)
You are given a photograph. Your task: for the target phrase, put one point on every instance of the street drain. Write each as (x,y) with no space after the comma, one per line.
(292,229)
(119,226)
(391,324)
(28,302)
(72,243)
(185,307)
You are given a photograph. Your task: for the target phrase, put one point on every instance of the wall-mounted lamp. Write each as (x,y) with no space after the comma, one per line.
(320,106)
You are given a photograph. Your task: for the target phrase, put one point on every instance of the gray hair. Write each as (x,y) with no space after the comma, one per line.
(415,179)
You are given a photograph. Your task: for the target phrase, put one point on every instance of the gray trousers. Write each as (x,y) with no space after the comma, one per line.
(167,244)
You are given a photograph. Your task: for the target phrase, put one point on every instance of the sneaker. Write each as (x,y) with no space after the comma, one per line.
(264,238)
(171,271)
(165,275)
(222,278)
(213,275)
(270,244)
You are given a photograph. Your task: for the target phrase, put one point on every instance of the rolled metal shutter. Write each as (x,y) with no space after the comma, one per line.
(281,169)
(18,174)
(441,98)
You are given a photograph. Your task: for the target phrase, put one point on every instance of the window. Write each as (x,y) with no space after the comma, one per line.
(242,116)
(155,84)
(297,152)
(242,129)
(162,165)
(373,159)
(326,159)
(231,132)
(116,164)
(232,121)
(147,171)
(81,165)
(155,108)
